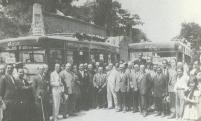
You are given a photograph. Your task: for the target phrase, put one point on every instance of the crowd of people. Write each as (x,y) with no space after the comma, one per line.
(172,89)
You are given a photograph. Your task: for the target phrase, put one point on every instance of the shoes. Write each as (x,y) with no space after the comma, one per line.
(65,116)
(110,107)
(163,115)
(134,111)
(144,114)
(118,110)
(158,114)
(172,116)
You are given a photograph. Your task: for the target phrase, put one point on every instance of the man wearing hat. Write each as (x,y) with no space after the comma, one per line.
(121,87)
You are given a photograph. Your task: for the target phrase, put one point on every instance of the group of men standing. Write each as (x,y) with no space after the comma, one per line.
(133,86)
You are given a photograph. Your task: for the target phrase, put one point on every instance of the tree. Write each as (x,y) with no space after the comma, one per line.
(192,33)
(16,15)
(115,19)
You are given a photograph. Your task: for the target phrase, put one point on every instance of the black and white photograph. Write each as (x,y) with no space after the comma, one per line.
(100,60)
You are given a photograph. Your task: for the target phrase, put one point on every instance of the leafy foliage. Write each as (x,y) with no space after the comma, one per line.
(16,16)
(117,20)
(192,33)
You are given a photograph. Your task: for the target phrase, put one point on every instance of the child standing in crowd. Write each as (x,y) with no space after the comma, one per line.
(191,108)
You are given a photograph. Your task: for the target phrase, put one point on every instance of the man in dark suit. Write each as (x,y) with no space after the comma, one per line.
(9,94)
(143,86)
(121,88)
(165,72)
(84,87)
(25,102)
(91,73)
(40,87)
(159,90)
(140,60)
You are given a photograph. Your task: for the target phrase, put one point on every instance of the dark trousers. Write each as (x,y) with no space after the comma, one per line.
(39,112)
(100,97)
(26,111)
(150,99)
(11,111)
(69,105)
(158,104)
(135,95)
(92,97)
(129,100)
(121,98)
(143,102)
(84,98)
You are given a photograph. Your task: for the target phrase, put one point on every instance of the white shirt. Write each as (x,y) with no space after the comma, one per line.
(181,83)
(55,79)
(111,77)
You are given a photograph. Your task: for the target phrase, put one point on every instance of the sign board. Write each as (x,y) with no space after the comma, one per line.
(37,20)
(10,60)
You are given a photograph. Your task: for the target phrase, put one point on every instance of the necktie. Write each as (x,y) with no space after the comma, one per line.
(12,80)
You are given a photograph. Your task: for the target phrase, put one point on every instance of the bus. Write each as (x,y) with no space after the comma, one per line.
(34,51)
(161,50)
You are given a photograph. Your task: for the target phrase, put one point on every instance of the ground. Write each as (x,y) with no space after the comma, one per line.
(111,115)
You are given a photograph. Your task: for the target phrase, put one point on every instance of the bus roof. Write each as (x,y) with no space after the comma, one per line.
(149,45)
(34,40)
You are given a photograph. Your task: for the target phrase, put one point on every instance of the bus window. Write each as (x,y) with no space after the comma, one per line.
(7,57)
(35,56)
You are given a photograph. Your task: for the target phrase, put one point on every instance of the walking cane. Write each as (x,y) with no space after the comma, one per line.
(43,114)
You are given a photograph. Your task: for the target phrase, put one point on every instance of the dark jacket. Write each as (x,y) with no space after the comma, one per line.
(91,76)
(25,90)
(40,86)
(144,80)
(84,81)
(159,86)
(8,90)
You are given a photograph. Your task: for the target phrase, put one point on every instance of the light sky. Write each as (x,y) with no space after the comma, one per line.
(162,18)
